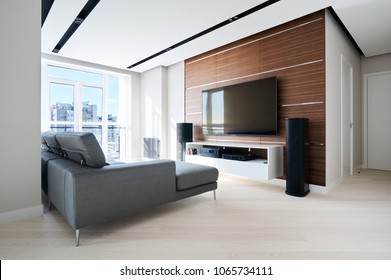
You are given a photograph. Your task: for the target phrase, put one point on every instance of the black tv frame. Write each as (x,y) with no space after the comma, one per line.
(268,84)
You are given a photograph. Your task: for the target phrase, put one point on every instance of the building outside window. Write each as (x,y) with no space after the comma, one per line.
(76,99)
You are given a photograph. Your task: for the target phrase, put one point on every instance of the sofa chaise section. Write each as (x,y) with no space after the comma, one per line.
(94,196)
(193,179)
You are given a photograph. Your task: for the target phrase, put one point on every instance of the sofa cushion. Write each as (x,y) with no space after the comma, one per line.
(50,143)
(82,147)
(189,175)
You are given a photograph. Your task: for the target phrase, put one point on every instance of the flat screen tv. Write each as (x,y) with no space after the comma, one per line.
(248,108)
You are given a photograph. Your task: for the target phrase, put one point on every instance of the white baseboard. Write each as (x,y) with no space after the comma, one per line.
(21,214)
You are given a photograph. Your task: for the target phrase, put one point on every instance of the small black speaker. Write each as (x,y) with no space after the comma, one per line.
(184,134)
(296,167)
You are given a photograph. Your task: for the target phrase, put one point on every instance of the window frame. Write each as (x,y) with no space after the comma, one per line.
(123,121)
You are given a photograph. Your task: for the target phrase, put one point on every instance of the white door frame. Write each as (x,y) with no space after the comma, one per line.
(365,113)
(346,125)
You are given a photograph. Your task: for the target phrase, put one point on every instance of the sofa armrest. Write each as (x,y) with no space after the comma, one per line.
(98,195)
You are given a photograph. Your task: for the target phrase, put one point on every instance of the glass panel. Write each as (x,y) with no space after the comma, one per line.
(96,130)
(92,104)
(113,99)
(61,102)
(76,75)
(115,141)
(61,127)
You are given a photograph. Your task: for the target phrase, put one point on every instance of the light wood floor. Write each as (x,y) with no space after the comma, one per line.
(249,220)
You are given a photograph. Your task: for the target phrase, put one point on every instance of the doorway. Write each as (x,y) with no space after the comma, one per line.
(377,120)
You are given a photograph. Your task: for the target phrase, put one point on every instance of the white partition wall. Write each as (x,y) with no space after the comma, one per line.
(340,52)
(20,55)
(162,105)
(153,105)
(175,104)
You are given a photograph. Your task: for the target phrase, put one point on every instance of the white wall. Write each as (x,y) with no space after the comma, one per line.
(371,66)
(176,104)
(337,44)
(376,64)
(153,89)
(162,105)
(135,117)
(20,56)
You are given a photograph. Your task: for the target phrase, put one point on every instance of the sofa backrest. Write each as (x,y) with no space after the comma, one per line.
(81,147)
(50,143)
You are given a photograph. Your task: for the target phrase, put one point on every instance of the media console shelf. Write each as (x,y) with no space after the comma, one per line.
(268,162)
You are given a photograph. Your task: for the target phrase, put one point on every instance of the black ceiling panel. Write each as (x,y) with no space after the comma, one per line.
(45,6)
(89,6)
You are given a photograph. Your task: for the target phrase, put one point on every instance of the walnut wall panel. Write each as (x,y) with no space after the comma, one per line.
(295,53)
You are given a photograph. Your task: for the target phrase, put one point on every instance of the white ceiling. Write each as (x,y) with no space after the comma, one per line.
(119,33)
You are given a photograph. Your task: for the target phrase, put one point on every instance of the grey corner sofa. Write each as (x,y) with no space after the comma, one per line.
(87,190)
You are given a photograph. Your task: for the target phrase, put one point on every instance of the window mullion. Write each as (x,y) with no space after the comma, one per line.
(104,114)
(78,105)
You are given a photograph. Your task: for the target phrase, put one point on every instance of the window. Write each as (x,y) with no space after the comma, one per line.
(61,102)
(95,101)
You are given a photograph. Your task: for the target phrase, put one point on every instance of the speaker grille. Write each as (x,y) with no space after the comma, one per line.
(296,167)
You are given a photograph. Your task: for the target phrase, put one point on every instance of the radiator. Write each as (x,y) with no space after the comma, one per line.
(151,148)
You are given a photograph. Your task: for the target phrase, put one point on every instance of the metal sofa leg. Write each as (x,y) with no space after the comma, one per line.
(214,194)
(77,237)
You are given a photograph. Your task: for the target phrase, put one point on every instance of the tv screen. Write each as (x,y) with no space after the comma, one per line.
(242,109)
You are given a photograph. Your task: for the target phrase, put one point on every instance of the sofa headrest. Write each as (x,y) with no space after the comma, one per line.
(44,146)
(50,143)
(82,147)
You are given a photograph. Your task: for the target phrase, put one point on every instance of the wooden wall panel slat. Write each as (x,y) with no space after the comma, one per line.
(300,45)
(193,101)
(201,72)
(238,62)
(317,166)
(302,84)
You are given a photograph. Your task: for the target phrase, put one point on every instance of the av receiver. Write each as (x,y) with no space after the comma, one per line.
(211,152)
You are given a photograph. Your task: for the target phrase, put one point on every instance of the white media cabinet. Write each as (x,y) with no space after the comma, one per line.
(267,165)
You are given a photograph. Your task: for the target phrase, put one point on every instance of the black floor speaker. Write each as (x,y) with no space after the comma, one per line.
(296,166)
(184,134)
